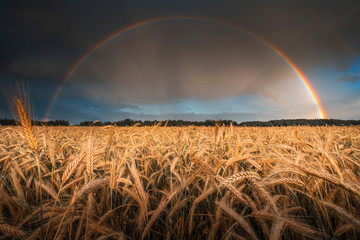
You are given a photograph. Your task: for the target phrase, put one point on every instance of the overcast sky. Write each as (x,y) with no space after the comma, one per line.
(184,66)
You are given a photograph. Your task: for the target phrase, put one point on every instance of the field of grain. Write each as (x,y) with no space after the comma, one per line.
(179,183)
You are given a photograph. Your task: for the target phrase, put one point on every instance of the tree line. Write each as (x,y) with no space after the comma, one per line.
(13,122)
(168,123)
(207,123)
(301,122)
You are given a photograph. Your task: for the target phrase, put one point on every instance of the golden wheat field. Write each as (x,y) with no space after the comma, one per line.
(179,182)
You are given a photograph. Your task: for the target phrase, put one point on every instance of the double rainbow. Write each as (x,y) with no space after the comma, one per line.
(315,98)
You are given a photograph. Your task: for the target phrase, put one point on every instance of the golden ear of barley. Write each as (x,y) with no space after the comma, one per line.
(113,174)
(26,125)
(343,229)
(155,126)
(141,192)
(71,167)
(27,129)
(109,142)
(205,166)
(89,187)
(46,186)
(11,231)
(90,158)
(17,186)
(296,133)
(241,176)
(217,125)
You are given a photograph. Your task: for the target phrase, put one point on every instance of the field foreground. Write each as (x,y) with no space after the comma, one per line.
(180,183)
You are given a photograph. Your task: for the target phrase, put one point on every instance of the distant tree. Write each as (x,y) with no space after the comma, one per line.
(207,123)
(7,122)
(301,122)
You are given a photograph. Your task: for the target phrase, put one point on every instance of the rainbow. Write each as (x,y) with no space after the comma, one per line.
(315,98)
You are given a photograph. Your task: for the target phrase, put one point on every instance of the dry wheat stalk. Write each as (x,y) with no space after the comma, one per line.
(276,229)
(244,224)
(281,181)
(143,196)
(323,175)
(342,213)
(196,202)
(286,170)
(164,202)
(343,229)
(296,226)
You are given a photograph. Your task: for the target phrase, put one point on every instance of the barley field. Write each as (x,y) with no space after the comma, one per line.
(179,182)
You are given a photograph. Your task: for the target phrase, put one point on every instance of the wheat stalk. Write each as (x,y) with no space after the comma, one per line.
(90,158)
(239,219)
(27,129)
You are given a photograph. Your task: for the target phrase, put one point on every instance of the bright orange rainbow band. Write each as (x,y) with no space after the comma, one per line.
(297,71)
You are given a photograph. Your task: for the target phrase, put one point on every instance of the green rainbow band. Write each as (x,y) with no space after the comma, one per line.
(315,98)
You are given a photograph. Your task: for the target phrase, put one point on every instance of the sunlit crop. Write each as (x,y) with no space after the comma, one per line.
(180,183)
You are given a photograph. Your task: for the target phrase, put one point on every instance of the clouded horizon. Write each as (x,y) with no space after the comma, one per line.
(189,68)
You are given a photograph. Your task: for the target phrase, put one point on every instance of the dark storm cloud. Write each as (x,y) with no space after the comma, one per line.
(303,32)
(343,17)
(44,39)
(45,34)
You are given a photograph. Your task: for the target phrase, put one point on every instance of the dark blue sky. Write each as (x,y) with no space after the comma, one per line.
(183,69)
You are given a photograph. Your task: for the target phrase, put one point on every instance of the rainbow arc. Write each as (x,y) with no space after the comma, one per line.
(305,81)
